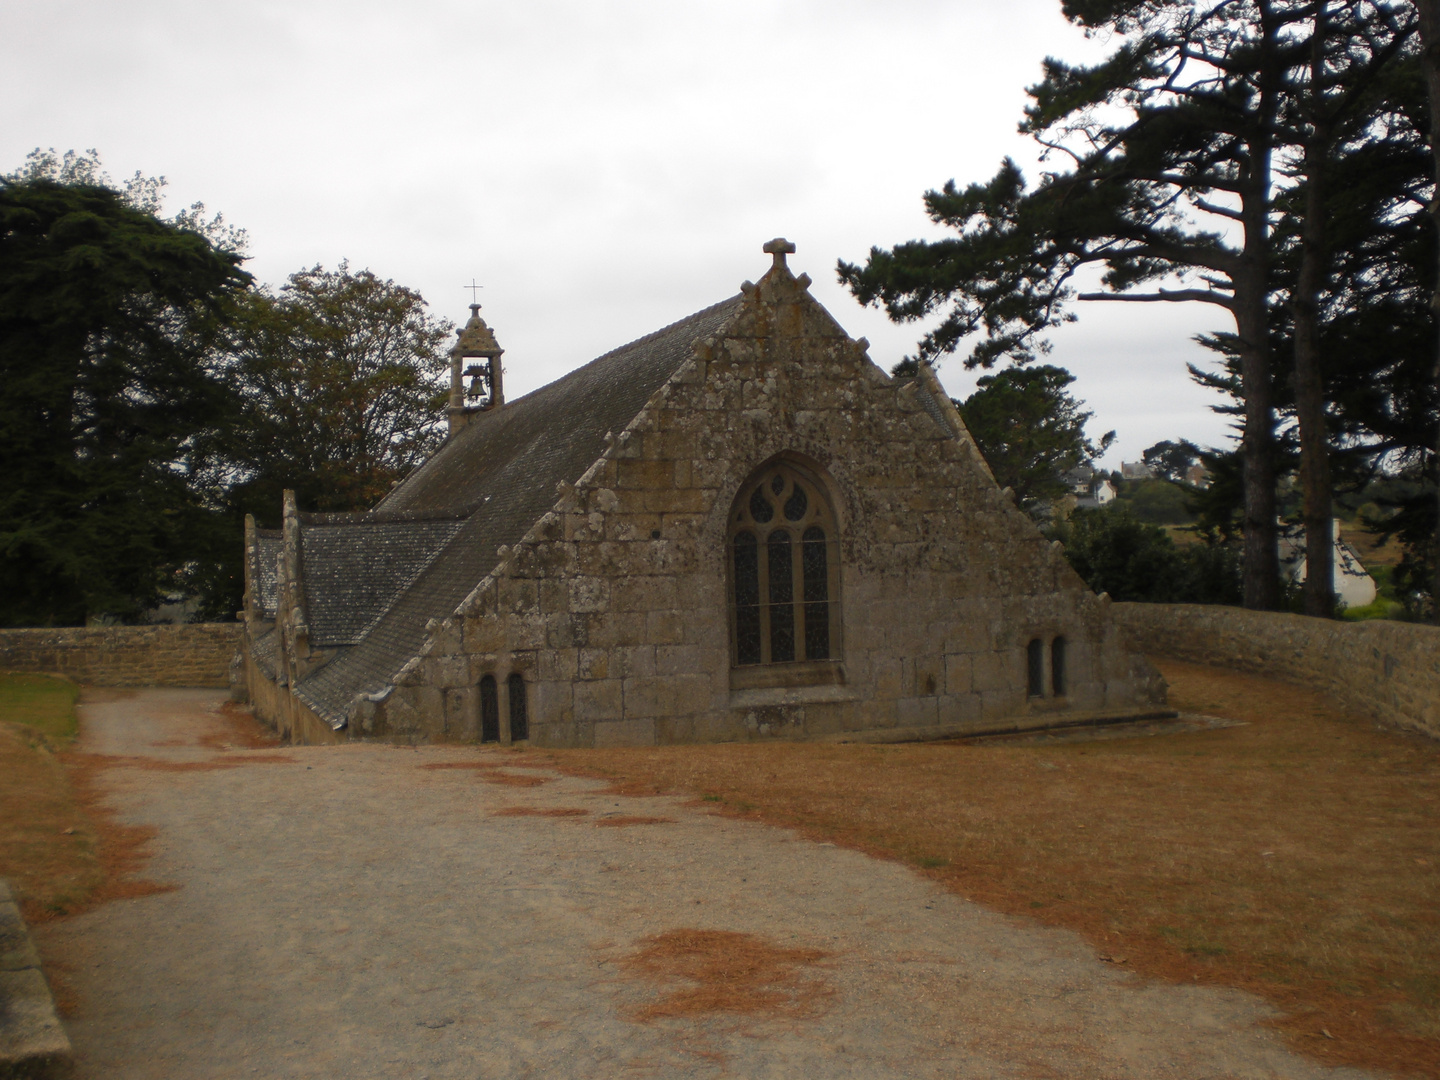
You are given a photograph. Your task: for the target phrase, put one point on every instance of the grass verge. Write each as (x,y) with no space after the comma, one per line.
(48,845)
(1296,856)
(61,848)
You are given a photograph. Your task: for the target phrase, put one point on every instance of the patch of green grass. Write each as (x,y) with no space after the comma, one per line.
(43,703)
(931,862)
(714,798)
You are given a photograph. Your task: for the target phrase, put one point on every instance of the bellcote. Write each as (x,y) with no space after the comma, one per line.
(476,373)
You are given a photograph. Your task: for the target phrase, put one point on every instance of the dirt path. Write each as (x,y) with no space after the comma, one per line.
(348,912)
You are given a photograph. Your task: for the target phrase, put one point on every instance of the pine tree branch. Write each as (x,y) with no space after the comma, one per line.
(1172,296)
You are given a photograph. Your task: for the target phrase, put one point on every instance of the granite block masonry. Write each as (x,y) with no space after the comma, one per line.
(736,528)
(1386,670)
(190,654)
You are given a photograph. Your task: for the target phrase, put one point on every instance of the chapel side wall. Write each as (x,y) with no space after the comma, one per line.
(623,635)
(1386,670)
(186,654)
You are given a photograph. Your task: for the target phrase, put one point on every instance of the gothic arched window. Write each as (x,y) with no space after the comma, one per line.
(784,570)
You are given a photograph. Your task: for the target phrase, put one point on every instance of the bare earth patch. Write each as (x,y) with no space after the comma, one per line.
(723,971)
(540,811)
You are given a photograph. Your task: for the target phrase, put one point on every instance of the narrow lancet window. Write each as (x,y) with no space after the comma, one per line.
(489,710)
(816,577)
(746,573)
(519,715)
(1057,667)
(782,598)
(1036,663)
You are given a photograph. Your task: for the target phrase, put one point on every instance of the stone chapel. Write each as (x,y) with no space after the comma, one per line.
(736,528)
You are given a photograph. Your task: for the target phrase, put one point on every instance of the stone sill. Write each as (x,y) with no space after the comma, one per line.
(787,676)
(790,695)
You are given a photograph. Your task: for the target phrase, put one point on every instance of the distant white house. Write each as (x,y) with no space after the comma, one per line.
(1091,490)
(1353,585)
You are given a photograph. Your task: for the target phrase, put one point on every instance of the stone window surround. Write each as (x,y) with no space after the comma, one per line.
(1052,643)
(770,678)
(502,674)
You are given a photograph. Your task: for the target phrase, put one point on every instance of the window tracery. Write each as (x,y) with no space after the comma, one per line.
(783,570)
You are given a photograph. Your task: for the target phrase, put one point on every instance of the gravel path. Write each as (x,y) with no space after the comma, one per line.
(348,913)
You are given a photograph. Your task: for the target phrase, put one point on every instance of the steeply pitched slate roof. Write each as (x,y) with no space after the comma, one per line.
(354,570)
(502,469)
(268,545)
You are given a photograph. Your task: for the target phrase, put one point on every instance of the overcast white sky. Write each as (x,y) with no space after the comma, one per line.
(602,168)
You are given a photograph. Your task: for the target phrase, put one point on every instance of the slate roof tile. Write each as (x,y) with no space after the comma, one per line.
(268,545)
(354,570)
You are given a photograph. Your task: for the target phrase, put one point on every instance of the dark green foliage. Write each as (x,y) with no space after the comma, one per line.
(107,318)
(1158,502)
(339,391)
(1117,554)
(1030,431)
(1170,460)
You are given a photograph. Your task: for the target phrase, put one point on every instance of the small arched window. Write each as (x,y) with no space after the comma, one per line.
(519,717)
(784,570)
(489,710)
(1057,667)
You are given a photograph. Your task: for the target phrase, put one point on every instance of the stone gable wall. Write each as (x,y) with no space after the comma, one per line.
(191,654)
(1387,670)
(622,635)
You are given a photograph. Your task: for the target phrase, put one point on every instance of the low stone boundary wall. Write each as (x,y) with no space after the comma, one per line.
(1387,670)
(189,654)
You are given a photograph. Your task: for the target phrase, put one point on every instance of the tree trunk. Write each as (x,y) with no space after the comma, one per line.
(1309,383)
(1429,12)
(1252,324)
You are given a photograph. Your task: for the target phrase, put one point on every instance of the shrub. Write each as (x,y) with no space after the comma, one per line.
(1117,554)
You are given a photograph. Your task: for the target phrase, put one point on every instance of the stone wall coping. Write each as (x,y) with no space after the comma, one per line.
(33,1044)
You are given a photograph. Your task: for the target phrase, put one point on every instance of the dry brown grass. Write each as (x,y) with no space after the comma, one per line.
(726,972)
(619,821)
(1296,856)
(540,811)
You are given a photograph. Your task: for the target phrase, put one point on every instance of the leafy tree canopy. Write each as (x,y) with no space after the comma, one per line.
(1170,460)
(1031,431)
(339,376)
(108,315)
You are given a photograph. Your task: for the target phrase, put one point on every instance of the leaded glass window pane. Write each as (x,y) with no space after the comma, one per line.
(760,508)
(796,505)
(815,573)
(777,483)
(782,597)
(747,599)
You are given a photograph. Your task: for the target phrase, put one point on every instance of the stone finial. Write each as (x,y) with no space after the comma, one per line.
(779,248)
